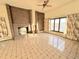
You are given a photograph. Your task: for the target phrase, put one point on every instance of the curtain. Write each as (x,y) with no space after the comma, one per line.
(73,27)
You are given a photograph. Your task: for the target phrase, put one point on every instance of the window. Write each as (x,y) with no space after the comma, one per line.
(51,25)
(58,24)
(63,22)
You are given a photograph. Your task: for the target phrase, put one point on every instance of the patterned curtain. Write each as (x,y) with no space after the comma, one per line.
(73,27)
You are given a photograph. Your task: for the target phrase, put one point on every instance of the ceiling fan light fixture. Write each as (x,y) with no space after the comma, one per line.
(45,3)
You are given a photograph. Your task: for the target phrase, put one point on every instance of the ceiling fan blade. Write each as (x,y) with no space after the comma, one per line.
(49,5)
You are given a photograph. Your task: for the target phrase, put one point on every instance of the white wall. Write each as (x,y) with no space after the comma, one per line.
(3,13)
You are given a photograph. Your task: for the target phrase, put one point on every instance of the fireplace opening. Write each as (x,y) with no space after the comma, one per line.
(22,30)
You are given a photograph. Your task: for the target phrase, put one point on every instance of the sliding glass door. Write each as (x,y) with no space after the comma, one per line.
(52,25)
(63,24)
(58,24)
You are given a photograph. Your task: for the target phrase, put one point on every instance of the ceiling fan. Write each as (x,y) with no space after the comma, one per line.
(45,3)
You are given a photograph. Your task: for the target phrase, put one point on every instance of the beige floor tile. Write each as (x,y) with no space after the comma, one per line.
(39,46)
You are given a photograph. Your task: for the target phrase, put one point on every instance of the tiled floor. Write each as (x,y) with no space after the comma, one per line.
(39,46)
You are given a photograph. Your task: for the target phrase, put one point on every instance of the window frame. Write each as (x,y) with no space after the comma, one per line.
(58,24)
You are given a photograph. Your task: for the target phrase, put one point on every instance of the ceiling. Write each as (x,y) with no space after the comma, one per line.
(32,4)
